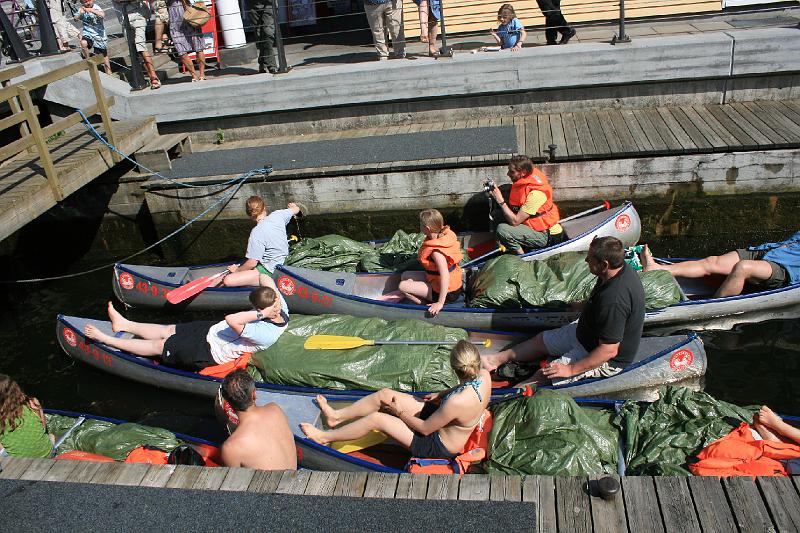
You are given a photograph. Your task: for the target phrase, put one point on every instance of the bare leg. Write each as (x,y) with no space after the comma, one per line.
(148,65)
(143,347)
(143,330)
(744,271)
(366,405)
(188,65)
(423,21)
(158,27)
(201,61)
(242,278)
(392,426)
(415,287)
(529,350)
(433,32)
(776,427)
(715,264)
(84,49)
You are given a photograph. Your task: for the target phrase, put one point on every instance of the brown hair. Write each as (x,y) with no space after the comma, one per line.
(608,249)
(521,162)
(237,389)
(262,297)
(433,219)
(12,399)
(255,206)
(465,359)
(506,10)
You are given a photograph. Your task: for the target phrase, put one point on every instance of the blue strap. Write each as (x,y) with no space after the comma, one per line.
(474,383)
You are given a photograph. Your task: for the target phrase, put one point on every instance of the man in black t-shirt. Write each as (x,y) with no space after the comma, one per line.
(605,338)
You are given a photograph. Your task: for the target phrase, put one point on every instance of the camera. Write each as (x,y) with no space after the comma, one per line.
(488,185)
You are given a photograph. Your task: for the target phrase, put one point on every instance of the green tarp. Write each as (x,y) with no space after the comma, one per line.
(549,434)
(662,435)
(404,368)
(508,282)
(106,438)
(340,254)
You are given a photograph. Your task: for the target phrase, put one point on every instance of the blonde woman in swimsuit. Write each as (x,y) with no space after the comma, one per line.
(435,428)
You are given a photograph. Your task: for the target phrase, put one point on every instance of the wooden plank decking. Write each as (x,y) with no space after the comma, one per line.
(562,503)
(78,158)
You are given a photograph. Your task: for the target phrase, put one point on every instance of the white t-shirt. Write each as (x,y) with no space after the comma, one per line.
(226,345)
(267,243)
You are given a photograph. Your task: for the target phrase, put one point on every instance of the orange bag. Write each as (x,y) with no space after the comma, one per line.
(147,455)
(739,454)
(220,371)
(77,455)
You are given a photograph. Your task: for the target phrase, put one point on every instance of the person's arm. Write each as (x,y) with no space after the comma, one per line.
(522,35)
(250,264)
(230,458)
(513,219)
(291,206)
(496,37)
(441,417)
(444,282)
(603,353)
(98,11)
(237,321)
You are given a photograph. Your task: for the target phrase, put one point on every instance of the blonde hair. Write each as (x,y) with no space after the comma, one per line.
(433,219)
(255,206)
(465,360)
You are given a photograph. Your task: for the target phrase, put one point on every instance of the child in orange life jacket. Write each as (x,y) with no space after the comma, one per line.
(531,215)
(440,254)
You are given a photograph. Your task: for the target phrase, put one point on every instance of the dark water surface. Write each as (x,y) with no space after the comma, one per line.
(750,364)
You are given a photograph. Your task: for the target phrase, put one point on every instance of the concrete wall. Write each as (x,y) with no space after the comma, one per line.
(617,179)
(696,68)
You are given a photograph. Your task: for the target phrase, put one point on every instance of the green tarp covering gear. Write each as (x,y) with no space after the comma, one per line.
(106,438)
(508,282)
(339,254)
(403,368)
(660,436)
(549,434)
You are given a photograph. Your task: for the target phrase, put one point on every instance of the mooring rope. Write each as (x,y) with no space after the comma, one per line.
(238,180)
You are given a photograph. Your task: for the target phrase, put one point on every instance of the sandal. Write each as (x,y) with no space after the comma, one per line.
(155,83)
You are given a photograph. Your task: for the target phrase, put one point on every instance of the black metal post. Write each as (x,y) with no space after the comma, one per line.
(622,37)
(16,47)
(552,149)
(46,32)
(137,79)
(283,68)
(445,50)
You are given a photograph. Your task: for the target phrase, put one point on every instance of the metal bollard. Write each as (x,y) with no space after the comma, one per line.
(283,68)
(16,47)
(552,149)
(622,37)
(445,50)
(46,31)
(137,80)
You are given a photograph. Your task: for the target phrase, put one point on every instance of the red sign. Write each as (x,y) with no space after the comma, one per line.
(286,285)
(622,223)
(681,360)
(126,281)
(70,337)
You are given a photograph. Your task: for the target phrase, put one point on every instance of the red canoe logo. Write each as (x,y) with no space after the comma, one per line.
(286,285)
(623,223)
(70,337)
(681,360)
(126,281)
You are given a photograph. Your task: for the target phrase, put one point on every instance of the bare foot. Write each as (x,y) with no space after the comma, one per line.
(648,263)
(762,430)
(767,417)
(491,362)
(313,433)
(118,322)
(95,334)
(332,418)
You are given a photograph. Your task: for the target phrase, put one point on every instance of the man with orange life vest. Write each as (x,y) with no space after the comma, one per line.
(531,215)
(440,255)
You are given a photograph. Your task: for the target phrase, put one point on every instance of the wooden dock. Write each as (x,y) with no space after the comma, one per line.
(645,504)
(48,163)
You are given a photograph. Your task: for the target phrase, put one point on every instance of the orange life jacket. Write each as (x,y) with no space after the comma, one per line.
(77,455)
(739,454)
(547,216)
(447,243)
(147,455)
(475,450)
(220,371)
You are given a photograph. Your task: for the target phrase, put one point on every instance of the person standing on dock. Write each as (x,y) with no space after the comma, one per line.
(555,22)
(267,246)
(382,15)
(606,336)
(263,20)
(262,438)
(531,214)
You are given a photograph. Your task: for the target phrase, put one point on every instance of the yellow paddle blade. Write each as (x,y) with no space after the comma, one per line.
(370,439)
(335,342)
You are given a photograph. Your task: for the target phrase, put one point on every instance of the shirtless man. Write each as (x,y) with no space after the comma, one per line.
(262,440)
(429,429)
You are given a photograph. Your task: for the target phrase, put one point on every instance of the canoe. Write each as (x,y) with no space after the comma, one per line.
(148,286)
(209,450)
(679,359)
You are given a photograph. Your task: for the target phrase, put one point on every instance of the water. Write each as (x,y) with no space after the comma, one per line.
(751,364)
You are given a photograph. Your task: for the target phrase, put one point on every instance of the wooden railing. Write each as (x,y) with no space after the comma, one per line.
(25,115)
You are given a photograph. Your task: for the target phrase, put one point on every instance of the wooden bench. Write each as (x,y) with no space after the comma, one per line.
(157,155)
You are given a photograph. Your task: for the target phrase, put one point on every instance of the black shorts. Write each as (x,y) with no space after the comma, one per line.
(90,44)
(779,278)
(430,446)
(188,347)
(451,297)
